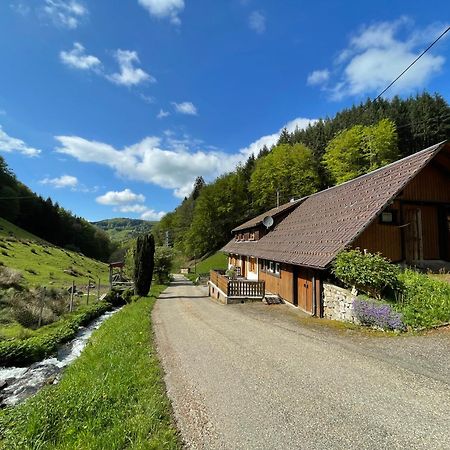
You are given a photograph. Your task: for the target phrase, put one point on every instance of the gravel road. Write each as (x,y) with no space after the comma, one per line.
(264,377)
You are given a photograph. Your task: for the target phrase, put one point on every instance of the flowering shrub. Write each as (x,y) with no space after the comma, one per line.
(368,272)
(376,314)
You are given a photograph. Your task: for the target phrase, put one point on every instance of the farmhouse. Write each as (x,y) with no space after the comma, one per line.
(401,210)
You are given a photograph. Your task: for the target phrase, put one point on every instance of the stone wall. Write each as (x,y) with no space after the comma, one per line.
(338,303)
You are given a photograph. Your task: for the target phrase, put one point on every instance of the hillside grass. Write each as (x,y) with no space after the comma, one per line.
(218,260)
(112,397)
(43,264)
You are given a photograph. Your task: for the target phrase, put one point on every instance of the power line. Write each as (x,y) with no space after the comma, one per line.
(417,59)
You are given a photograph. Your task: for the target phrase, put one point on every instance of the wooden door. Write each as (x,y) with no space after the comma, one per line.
(444,234)
(304,290)
(413,235)
(448,234)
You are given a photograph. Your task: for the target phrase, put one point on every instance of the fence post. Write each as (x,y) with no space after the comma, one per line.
(41,309)
(88,290)
(71,296)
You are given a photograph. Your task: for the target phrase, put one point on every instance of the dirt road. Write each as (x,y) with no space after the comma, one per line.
(260,377)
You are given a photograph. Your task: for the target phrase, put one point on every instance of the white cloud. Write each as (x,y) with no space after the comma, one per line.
(20,8)
(170,163)
(187,108)
(162,114)
(377,54)
(63,181)
(318,77)
(153,215)
(271,139)
(116,198)
(257,22)
(148,99)
(164,9)
(9,144)
(127,201)
(78,59)
(129,75)
(132,208)
(65,13)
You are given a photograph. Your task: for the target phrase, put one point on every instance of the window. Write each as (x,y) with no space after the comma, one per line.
(271,266)
(388,217)
(277,268)
(251,237)
(252,265)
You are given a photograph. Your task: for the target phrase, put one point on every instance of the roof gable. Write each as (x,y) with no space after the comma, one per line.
(274,212)
(328,221)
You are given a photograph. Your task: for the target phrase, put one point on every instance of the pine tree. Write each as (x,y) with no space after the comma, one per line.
(144,258)
(285,137)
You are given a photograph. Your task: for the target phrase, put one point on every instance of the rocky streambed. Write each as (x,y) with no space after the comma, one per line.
(19,383)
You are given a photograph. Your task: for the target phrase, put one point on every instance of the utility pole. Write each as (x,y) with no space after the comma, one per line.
(72,291)
(278,198)
(98,289)
(88,291)
(41,310)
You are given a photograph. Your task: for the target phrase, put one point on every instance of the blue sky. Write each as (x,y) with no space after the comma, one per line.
(114,108)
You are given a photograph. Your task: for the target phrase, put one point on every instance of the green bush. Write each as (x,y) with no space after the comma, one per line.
(368,272)
(425,302)
(163,264)
(25,351)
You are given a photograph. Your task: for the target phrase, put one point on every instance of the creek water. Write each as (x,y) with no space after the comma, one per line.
(22,382)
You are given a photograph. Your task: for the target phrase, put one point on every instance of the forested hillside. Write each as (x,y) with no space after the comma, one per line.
(47,220)
(333,150)
(121,230)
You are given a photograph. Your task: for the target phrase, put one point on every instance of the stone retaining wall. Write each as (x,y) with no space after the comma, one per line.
(338,303)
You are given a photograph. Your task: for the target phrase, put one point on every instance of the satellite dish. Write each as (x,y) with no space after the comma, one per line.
(268,221)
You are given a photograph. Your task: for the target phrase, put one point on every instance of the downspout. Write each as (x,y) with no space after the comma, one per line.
(314,305)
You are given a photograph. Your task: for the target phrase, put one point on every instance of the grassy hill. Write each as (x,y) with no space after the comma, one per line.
(43,264)
(122,229)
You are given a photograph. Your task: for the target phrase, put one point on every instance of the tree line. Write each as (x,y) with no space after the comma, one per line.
(48,220)
(330,151)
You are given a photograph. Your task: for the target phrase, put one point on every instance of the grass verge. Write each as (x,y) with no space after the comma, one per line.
(112,397)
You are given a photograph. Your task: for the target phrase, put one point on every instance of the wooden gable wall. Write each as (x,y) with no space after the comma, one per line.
(429,192)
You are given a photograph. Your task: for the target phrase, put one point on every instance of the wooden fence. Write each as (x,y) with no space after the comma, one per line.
(237,288)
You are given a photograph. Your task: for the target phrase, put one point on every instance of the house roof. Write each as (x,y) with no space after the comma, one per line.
(328,221)
(274,212)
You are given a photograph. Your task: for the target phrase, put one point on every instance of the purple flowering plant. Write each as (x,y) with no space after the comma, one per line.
(376,314)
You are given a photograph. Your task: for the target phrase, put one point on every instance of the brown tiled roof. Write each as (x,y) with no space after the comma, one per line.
(273,212)
(326,222)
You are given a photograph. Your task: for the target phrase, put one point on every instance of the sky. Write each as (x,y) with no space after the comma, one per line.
(114,108)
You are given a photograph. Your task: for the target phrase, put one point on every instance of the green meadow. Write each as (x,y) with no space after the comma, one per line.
(43,264)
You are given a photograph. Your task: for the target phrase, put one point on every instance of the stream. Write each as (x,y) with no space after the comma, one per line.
(22,382)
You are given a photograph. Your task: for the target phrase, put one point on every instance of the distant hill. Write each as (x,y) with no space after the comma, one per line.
(122,229)
(47,220)
(45,264)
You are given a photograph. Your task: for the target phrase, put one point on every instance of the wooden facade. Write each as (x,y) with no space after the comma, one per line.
(420,229)
(296,285)
(279,284)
